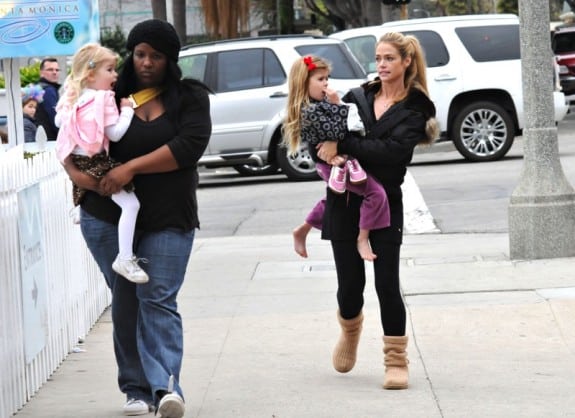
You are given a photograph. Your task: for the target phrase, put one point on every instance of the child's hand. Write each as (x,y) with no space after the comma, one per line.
(337,160)
(332,96)
(125,102)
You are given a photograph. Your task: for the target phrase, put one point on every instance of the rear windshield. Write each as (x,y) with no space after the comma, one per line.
(564,43)
(491,43)
(344,65)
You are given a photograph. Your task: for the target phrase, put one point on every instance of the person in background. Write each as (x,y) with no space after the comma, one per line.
(159,153)
(398,115)
(46,112)
(32,96)
(3,136)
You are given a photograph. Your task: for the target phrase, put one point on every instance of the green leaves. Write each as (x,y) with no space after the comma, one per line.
(28,75)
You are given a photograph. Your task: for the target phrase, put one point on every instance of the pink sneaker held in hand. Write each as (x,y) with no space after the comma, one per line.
(337,179)
(357,174)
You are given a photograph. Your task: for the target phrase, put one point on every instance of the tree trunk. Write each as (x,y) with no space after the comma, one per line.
(286,16)
(373,13)
(179,16)
(159,9)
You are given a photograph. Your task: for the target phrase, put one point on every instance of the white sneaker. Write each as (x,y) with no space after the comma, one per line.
(75,215)
(171,406)
(137,407)
(130,269)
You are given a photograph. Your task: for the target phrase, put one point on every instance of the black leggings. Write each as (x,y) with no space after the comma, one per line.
(351,282)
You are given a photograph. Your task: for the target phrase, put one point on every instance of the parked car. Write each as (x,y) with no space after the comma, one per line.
(249,79)
(473,75)
(563,44)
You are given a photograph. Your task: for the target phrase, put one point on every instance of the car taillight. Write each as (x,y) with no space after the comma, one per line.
(566,65)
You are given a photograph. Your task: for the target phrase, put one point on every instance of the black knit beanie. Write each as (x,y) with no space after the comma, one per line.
(159,34)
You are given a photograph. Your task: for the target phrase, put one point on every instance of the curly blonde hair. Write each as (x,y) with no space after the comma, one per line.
(298,97)
(84,63)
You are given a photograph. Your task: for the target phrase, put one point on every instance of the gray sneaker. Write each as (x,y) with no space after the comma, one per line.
(137,407)
(171,406)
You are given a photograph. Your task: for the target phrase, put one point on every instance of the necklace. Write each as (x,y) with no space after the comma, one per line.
(382,104)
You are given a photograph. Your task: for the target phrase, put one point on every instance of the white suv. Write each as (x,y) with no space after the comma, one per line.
(249,79)
(473,74)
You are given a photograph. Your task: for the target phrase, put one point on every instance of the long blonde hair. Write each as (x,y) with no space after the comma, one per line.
(298,97)
(408,46)
(84,63)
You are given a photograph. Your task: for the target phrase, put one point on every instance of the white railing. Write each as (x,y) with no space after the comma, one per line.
(69,293)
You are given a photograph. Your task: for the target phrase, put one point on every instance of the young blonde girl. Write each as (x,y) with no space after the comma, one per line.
(315,114)
(88,118)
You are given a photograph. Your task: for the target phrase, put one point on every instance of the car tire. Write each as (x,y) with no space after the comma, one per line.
(483,131)
(249,170)
(299,166)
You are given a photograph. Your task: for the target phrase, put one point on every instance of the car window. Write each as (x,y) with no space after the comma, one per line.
(436,54)
(491,43)
(248,69)
(363,47)
(273,70)
(564,43)
(341,59)
(194,66)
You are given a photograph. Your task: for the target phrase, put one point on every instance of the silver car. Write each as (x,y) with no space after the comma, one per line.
(249,79)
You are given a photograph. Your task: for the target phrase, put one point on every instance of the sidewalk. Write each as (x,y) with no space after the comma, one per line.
(489,337)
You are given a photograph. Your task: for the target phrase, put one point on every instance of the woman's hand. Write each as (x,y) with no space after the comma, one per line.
(327,151)
(115,179)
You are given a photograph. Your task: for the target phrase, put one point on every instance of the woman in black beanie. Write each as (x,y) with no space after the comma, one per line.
(168,134)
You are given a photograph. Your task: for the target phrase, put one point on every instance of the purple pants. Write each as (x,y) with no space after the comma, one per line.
(374,210)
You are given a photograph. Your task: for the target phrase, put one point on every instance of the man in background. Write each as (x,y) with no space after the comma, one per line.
(49,77)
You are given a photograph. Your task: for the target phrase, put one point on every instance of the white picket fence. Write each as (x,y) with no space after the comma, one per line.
(72,288)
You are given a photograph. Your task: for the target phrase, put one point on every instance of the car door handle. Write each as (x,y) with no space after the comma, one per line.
(278,94)
(445,77)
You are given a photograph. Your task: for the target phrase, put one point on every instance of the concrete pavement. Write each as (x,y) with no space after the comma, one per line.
(489,337)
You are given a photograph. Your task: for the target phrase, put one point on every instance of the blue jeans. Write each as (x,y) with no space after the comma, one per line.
(148,336)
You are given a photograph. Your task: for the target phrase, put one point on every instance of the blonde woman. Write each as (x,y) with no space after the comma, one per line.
(398,115)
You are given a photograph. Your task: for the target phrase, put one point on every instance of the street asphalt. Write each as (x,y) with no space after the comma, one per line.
(489,336)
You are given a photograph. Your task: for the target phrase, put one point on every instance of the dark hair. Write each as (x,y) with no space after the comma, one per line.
(45,60)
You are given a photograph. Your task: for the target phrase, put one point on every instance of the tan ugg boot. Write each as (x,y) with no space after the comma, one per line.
(345,352)
(396,373)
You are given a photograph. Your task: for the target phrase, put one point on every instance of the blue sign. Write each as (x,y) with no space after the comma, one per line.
(33,268)
(31,28)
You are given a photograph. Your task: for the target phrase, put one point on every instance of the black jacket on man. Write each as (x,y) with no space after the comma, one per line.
(46,111)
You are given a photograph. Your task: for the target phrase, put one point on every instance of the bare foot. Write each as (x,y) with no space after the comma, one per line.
(365,250)
(299,236)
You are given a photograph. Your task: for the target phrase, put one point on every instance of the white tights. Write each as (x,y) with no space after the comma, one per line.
(130,206)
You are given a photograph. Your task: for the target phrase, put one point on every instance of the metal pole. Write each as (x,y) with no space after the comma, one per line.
(542,206)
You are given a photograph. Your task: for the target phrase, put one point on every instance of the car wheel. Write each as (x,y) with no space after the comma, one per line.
(483,131)
(299,166)
(256,170)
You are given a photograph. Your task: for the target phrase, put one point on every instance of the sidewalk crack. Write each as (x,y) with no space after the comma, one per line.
(427,376)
